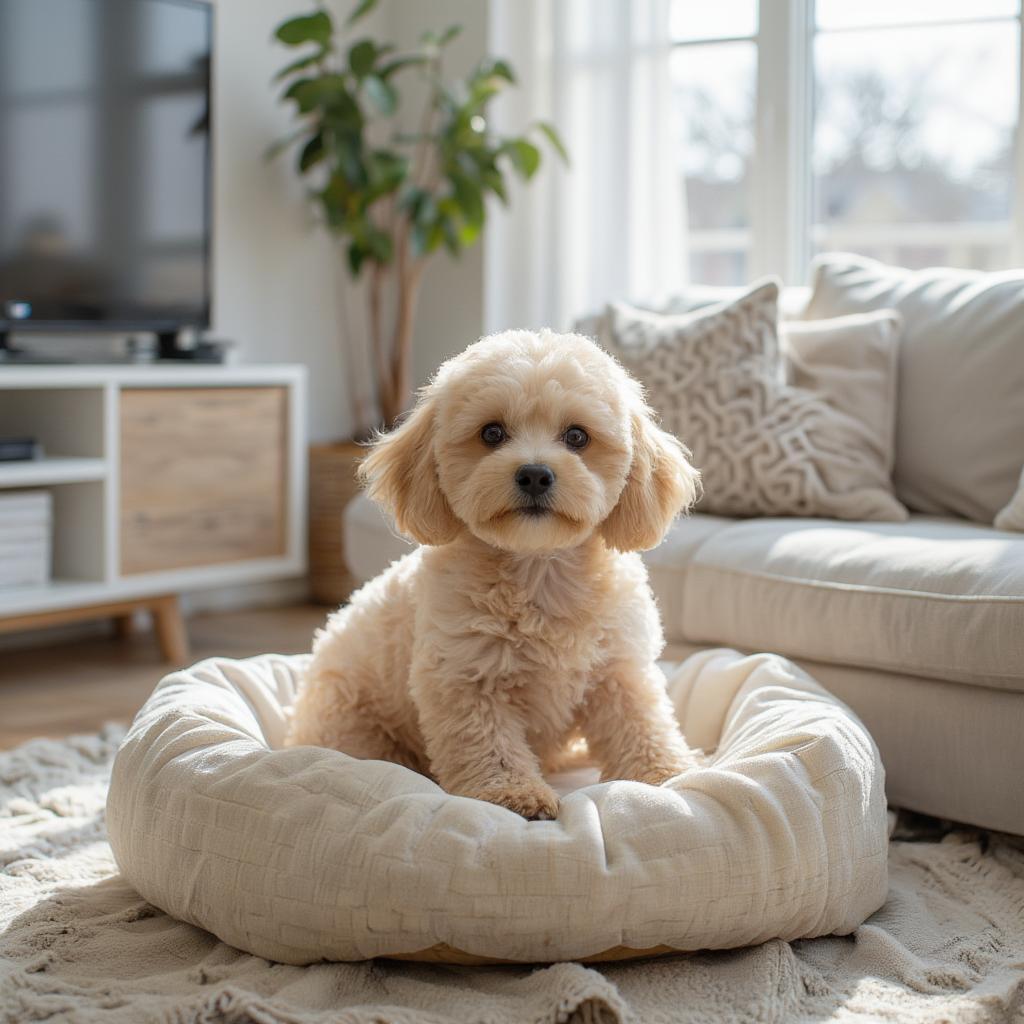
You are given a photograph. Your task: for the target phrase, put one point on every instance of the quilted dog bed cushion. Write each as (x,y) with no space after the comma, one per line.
(304,854)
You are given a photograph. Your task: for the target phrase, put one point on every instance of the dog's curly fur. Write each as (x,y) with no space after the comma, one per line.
(522,623)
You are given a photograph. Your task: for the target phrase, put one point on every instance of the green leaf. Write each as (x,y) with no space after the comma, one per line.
(362,9)
(356,256)
(496,69)
(382,94)
(300,64)
(525,157)
(480,92)
(469,199)
(312,153)
(343,116)
(555,139)
(328,93)
(467,162)
(492,179)
(386,170)
(412,199)
(309,28)
(350,161)
(380,245)
(418,240)
(334,198)
(502,69)
(276,148)
(427,232)
(469,233)
(295,89)
(361,57)
(436,41)
(387,70)
(425,213)
(451,237)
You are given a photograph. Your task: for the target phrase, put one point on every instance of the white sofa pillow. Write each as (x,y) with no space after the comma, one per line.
(960,412)
(763,446)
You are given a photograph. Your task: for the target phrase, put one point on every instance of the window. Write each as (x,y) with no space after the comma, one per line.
(714,83)
(885,127)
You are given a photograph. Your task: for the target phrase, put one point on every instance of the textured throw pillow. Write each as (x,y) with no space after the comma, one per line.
(792,301)
(960,411)
(764,446)
(851,362)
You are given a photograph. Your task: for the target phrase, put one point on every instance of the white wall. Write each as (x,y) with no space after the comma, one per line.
(277,277)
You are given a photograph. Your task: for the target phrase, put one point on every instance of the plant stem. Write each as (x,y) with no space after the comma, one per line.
(401,374)
(385,385)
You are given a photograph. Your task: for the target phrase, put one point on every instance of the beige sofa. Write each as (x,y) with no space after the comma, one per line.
(918,626)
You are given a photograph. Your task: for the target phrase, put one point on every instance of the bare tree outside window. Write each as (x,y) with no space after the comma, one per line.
(912,140)
(913,143)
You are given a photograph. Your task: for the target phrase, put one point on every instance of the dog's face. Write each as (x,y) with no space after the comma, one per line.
(532,442)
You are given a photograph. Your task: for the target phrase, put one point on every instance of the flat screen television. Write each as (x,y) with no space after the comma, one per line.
(104,165)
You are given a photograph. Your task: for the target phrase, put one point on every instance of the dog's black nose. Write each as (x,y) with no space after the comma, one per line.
(535,479)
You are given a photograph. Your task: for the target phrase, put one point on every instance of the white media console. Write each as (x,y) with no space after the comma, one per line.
(164,479)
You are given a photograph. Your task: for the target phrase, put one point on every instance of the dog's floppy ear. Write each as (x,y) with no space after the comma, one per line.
(661,484)
(401,474)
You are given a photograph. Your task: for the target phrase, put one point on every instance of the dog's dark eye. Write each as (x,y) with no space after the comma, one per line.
(576,437)
(493,434)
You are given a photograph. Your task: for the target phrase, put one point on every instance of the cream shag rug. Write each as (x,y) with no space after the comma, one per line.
(77,945)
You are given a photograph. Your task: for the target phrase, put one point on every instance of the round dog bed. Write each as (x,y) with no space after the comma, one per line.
(305,854)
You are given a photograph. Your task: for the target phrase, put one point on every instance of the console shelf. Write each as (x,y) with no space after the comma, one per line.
(68,469)
(164,479)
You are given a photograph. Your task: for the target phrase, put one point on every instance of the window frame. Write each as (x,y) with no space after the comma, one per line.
(781,175)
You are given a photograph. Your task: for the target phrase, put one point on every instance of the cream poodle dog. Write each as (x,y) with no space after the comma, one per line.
(531,472)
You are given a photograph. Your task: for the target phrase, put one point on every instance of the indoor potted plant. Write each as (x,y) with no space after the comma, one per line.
(392,197)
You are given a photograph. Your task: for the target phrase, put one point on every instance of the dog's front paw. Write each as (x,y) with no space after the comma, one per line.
(531,798)
(660,772)
(656,776)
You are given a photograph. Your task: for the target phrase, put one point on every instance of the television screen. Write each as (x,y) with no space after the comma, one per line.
(104,163)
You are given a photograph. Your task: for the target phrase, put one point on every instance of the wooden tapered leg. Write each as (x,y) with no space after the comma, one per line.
(170,629)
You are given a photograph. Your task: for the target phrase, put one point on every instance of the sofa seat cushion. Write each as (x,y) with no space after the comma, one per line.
(371,541)
(668,562)
(933,597)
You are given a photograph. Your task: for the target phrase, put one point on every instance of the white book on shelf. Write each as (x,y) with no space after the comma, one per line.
(35,573)
(28,532)
(26,504)
(26,525)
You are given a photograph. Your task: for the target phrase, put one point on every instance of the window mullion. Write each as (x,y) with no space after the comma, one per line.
(1017,212)
(781,193)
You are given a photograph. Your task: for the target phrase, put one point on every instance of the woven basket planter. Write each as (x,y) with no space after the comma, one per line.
(332,484)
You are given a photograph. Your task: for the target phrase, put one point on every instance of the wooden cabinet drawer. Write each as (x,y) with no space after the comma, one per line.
(203,476)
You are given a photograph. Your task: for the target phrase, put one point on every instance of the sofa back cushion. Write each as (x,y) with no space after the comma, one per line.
(960,411)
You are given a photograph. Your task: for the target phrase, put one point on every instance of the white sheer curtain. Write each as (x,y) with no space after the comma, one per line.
(611,225)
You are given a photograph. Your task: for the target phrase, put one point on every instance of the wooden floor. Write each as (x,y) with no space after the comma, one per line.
(76,687)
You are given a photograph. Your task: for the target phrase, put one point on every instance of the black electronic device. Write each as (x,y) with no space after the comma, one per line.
(104,167)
